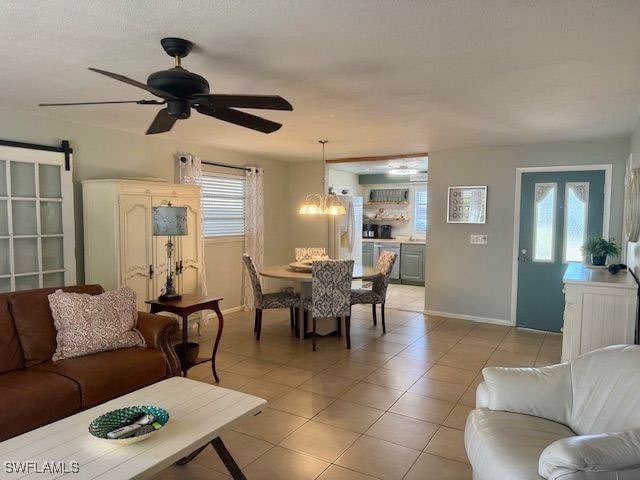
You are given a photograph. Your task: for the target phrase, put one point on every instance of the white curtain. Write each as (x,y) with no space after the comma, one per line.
(191,174)
(253,226)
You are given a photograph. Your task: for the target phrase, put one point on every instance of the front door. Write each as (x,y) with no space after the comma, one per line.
(558,212)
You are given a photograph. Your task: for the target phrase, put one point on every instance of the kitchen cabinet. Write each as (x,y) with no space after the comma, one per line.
(367,254)
(600,309)
(412,264)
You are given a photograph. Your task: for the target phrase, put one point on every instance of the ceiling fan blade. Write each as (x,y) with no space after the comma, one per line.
(162,123)
(240,118)
(135,83)
(139,102)
(268,102)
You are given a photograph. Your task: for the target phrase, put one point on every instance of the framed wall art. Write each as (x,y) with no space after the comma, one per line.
(467,204)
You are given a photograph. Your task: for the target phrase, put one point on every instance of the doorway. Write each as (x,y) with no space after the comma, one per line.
(558,210)
(394,218)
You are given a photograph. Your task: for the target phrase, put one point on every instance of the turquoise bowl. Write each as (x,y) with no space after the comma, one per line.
(110,420)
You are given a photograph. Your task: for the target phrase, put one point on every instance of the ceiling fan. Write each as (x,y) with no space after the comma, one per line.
(181,90)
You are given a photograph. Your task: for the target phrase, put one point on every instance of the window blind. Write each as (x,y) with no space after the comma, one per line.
(420,221)
(223,205)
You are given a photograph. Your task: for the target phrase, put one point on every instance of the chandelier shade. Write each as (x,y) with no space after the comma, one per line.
(326,203)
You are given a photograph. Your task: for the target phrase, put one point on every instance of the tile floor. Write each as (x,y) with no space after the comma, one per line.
(393,407)
(405,297)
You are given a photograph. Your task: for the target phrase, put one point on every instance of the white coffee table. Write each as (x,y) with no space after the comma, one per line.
(199,414)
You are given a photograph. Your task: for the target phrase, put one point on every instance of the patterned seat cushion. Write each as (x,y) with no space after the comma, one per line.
(306,304)
(278,300)
(331,288)
(283,299)
(364,296)
(378,292)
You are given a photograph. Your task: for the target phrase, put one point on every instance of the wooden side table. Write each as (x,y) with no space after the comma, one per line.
(184,307)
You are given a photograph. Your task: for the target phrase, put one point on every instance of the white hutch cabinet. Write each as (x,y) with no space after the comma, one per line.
(600,309)
(119,248)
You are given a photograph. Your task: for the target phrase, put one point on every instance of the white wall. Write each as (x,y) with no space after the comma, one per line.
(107,153)
(339,180)
(475,280)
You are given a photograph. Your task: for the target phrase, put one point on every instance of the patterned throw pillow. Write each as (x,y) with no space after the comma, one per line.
(94,323)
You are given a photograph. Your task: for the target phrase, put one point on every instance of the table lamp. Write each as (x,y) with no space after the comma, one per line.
(169,221)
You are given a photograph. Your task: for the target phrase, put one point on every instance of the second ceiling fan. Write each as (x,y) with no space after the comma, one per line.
(181,90)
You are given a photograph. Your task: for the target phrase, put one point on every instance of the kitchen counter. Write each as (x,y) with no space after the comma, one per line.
(394,240)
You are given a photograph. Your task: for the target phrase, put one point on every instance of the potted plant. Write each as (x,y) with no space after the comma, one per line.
(599,248)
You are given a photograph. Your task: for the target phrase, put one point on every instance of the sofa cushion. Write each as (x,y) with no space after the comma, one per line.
(542,392)
(507,446)
(10,352)
(106,375)
(606,390)
(34,322)
(94,323)
(31,399)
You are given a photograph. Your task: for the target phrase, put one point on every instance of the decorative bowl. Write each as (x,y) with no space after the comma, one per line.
(102,425)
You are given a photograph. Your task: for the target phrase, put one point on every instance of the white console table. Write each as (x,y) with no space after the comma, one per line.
(600,309)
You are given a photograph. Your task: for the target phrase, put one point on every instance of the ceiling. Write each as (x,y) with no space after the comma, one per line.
(381,166)
(375,78)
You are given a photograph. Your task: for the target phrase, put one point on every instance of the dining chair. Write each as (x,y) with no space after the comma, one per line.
(307,253)
(378,292)
(262,301)
(330,294)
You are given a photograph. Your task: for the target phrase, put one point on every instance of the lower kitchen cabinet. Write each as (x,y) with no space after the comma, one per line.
(367,254)
(412,264)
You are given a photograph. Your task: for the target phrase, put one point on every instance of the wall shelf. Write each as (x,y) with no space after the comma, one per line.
(386,219)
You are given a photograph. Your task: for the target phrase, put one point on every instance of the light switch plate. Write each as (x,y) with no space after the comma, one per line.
(478,239)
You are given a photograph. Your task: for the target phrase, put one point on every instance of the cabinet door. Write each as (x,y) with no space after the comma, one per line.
(412,266)
(367,257)
(189,252)
(136,255)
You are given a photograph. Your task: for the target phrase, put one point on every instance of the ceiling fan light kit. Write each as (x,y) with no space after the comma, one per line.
(182,90)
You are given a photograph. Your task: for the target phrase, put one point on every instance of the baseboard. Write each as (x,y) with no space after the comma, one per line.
(226,311)
(474,318)
(239,308)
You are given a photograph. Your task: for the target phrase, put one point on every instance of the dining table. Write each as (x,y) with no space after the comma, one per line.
(302,284)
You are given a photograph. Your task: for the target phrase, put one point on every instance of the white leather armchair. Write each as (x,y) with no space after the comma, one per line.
(574,421)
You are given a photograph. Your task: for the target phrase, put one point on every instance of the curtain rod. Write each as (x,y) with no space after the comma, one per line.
(215,164)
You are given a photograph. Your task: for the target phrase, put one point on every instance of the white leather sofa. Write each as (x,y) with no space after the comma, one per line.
(574,421)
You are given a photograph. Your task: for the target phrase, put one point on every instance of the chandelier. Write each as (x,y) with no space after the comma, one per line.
(324,203)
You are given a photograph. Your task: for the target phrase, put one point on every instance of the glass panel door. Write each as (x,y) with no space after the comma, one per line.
(544,222)
(576,218)
(36,220)
(558,211)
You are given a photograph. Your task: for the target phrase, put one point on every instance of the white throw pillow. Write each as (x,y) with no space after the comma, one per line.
(94,323)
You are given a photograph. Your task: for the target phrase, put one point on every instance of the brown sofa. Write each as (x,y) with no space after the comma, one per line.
(35,391)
